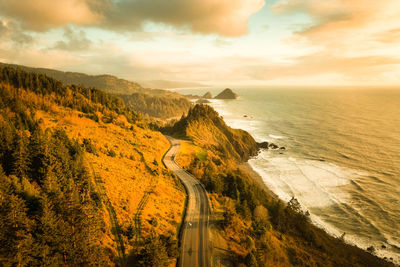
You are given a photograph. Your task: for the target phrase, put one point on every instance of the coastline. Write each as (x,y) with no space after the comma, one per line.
(253,174)
(246,167)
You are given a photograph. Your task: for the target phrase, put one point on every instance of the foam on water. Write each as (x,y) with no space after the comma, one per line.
(313,183)
(317,186)
(276,136)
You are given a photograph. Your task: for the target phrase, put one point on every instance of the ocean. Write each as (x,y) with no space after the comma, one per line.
(342,157)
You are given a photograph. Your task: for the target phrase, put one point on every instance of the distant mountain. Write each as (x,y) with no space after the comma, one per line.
(171,84)
(108,83)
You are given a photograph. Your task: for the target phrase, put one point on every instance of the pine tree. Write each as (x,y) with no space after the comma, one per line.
(19,156)
(39,156)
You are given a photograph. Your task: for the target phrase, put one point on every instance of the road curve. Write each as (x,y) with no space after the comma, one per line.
(194,239)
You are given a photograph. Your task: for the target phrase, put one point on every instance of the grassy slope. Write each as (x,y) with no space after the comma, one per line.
(126,176)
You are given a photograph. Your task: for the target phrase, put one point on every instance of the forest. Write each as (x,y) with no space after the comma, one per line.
(48,212)
(158,106)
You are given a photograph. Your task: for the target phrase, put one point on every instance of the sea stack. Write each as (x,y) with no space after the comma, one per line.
(227,94)
(207,95)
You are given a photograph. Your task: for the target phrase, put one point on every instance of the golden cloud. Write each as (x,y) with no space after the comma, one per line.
(333,18)
(41,15)
(223,17)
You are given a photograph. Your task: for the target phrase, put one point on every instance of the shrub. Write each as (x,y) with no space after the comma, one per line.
(112,153)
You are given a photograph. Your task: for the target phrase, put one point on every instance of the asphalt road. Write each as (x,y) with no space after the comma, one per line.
(194,243)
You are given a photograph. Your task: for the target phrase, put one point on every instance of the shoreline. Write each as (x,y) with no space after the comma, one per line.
(246,167)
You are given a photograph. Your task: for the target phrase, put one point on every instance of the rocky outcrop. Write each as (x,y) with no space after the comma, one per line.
(263,145)
(226,94)
(266,145)
(207,95)
(273,146)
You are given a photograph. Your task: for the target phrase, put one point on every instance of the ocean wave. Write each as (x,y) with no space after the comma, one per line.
(276,136)
(320,187)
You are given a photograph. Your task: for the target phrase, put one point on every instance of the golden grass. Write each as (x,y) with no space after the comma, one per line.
(189,151)
(135,169)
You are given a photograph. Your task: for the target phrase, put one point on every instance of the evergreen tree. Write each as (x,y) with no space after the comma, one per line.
(19,156)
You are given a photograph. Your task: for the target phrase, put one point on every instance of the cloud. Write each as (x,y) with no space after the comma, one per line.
(76,41)
(42,15)
(352,40)
(352,69)
(389,36)
(223,17)
(9,31)
(336,19)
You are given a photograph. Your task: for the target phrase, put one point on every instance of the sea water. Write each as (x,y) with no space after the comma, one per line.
(342,157)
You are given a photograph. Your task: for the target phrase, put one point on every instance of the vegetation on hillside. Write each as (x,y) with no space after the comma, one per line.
(108,83)
(254,228)
(75,163)
(48,212)
(158,106)
(207,129)
(154,102)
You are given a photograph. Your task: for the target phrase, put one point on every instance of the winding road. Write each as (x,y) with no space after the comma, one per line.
(194,239)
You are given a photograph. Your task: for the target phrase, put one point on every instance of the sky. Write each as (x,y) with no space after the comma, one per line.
(214,42)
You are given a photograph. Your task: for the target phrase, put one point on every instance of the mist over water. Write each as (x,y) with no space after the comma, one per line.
(342,160)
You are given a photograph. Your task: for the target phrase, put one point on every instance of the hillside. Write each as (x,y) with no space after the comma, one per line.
(154,102)
(158,106)
(108,83)
(81,178)
(207,129)
(251,226)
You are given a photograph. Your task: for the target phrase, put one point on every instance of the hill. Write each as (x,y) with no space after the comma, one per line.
(81,178)
(158,106)
(154,102)
(207,129)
